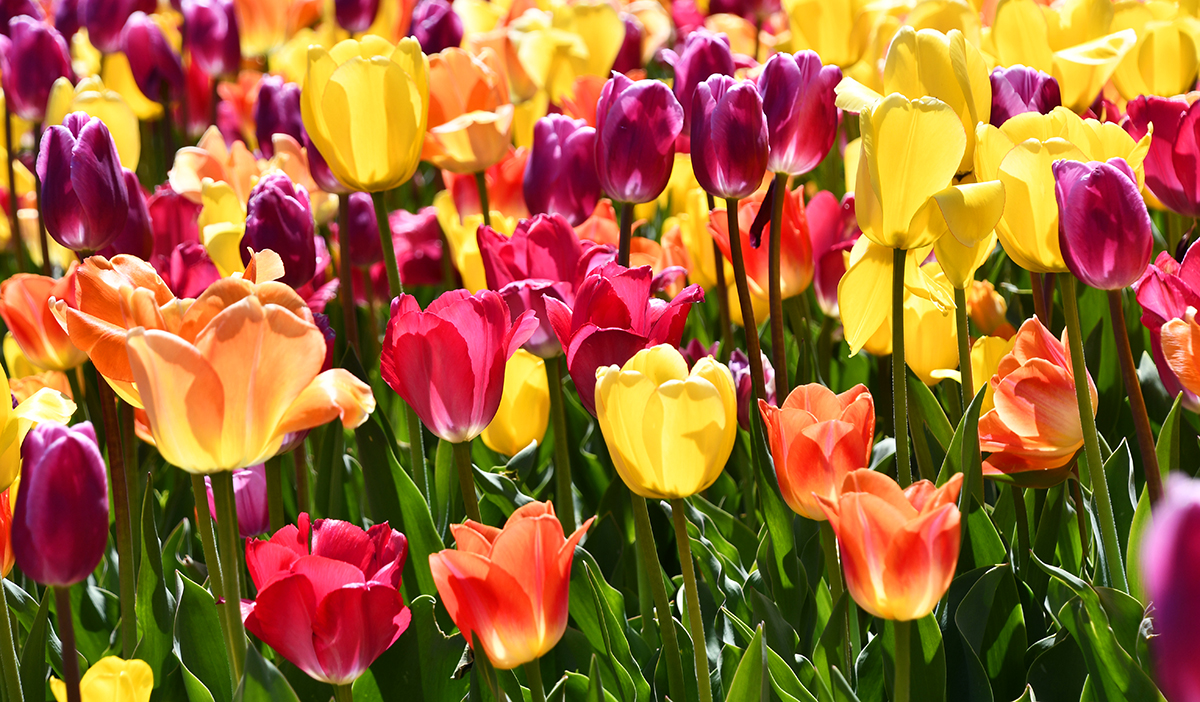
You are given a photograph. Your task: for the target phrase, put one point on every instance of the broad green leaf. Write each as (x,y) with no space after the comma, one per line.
(416,522)
(1168,460)
(155,602)
(33,656)
(382,500)
(262,682)
(751,682)
(199,641)
(421,664)
(927,659)
(196,691)
(962,455)
(89,612)
(925,405)
(992,623)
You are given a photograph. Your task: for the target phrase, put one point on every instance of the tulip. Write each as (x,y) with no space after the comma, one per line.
(37,57)
(543,247)
(7,558)
(436,26)
(930,333)
(250,494)
(277,111)
(360,241)
(23,306)
(1017,90)
(694,351)
(365,105)
(833,230)
(729,137)
(614,317)
(1180,339)
(187,271)
(331,609)
(60,521)
(262,25)
(211,36)
(524,411)
(418,241)
(670,431)
(1163,61)
(90,96)
(987,309)
(156,67)
(470,142)
(1103,226)
(798,101)
(899,547)
(1173,164)
(11,9)
(1165,291)
(704,54)
(280,218)
(104,20)
(817,438)
(629,58)
(86,203)
(1034,431)
(111,679)
(796,255)
(636,127)
(137,238)
(739,367)
(507,588)
(1170,578)
(18,417)
(560,175)
(356,15)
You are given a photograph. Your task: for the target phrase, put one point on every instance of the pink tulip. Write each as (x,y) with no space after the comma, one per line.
(797,96)
(1103,227)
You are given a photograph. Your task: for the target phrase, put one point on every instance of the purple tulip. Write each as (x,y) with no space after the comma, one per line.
(1171,574)
(750,9)
(250,498)
(11,9)
(729,137)
(212,37)
(802,121)
(739,368)
(629,57)
(704,54)
(636,127)
(361,239)
(560,174)
(84,199)
(436,26)
(279,217)
(104,20)
(319,169)
(60,521)
(156,67)
(37,57)
(1165,291)
(1103,227)
(137,238)
(1017,90)
(66,17)
(277,112)
(355,15)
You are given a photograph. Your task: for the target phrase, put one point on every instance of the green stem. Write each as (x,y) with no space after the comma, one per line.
(833,571)
(66,632)
(562,451)
(1137,404)
(775,292)
(902,688)
(466,480)
(723,302)
(692,595)
(753,350)
(345,272)
(416,447)
(120,488)
(801,313)
(964,346)
(300,458)
(1091,444)
(825,348)
(216,582)
(343,693)
(644,537)
(8,650)
(626,240)
(921,452)
(899,386)
(274,493)
(484,207)
(231,568)
(533,674)
(77,394)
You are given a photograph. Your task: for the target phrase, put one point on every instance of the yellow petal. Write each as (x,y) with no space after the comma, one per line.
(1083,70)
(1029,228)
(524,411)
(972,210)
(118,76)
(865,292)
(603,34)
(960,262)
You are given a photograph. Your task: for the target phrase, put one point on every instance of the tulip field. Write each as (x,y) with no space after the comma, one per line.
(600,351)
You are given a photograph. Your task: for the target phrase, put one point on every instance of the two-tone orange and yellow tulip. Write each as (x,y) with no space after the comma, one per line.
(24,307)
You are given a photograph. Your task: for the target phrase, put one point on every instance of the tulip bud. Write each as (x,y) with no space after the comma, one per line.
(694,351)
(277,112)
(636,127)
(66,17)
(85,201)
(250,496)
(1017,90)
(987,309)
(279,217)
(37,57)
(524,411)
(436,26)
(355,15)
(1103,226)
(798,101)
(104,20)
(705,54)
(211,36)
(60,522)
(417,237)
(560,175)
(360,241)
(729,137)
(629,57)
(156,67)
(137,238)
(739,368)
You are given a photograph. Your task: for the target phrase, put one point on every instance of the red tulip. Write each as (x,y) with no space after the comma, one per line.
(796,264)
(1173,164)
(1165,291)
(334,609)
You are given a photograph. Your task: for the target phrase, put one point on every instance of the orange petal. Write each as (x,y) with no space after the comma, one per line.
(334,394)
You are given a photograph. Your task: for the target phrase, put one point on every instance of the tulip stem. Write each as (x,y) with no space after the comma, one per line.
(43,242)
(8,650)
(753,350)
(13,206)
(466,480)
(346,289)
(967,383)
(485,207)
(533,674)
(775,294)
(1137,404)
(899,386)
(227,527)
(343,693)
(208,543)
(626,240)
(1091,443)
(562,451)
(833,571)
(692,594)
(66,631)
(901,690)
(120,488)
(300,458)
(644,538)
(274,493)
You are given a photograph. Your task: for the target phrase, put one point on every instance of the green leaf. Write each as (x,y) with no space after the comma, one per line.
(992,623)
(1118,472)
(1057,671)
(196,691)
(262,682)
(33,655)
(751,681)
(612,622)
(982,545)
(422,662)
(922,402)
(1168,439)
(500,490)
(1168,460)
(416,522)
(89,612)
(382,500)
(446,490)
(1027,695)
(155,603)
(199,640)
(785,683)
(962,456)
(927,659)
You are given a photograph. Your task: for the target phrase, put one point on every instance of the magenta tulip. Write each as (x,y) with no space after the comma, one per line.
(436,26)
(629,57)
(66,16)
(104,20)
(417,237)
(729,137)
(319,170)
(10,9)
(355,15)
(250,495)
(560,174)
(739,367)
(636,127)
(1165,291)
(1173,164)
(360,241)
(802,121)
(211,35)
(542,247)
(833,229)
(137,238)
(704,54)
(85,203)
(156,67)
(277,112)
(187,270)
(280,218)
(173,218)
(37,57)
(1103,227)
(1017,90)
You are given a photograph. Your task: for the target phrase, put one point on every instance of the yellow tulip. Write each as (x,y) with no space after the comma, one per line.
(222,223)
(524,407)
(602,31)
(45,405)
(471,142)
(1164,59)
(657,27)
(118,75)
(365,105)
(460,234)
(290,61)
(838,30)
(111,679)
(697,240)
(669,431)
(92,97)
(552,57)
(930,334)
(478,16)
(760,305)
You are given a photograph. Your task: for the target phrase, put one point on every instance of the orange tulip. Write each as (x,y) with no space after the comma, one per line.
(509,586)
(1033,432)
(7,499)
(816,439)
(460,83)
(986,308)
(24,306)
(899,547)
(263,24)
(796,259)
(210,158)
(1180,344)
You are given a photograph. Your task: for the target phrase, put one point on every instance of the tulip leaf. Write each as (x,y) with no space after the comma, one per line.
(1168,439)
(155,605)
(574,687)
(869,671)
(422,662)
(196,691)
(383,502)
(612,623)
(89,613)
(925,405)
(751,682)
(1027,695)
(33,655)
(365,688)
(927,659)
(262,681)
(199,640)
(963,453)
(1168,460)
(786,574)
(446,490)
(992,624)
(500,490)
(1118,472)
(1057,669)
(827,656)
(787,686)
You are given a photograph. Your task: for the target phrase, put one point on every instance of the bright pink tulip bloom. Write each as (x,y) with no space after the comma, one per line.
(1103,227)
(1173,164)
(833,230)
(729,137)
(797,99)
(636,127)
(1165,291)
(704,54)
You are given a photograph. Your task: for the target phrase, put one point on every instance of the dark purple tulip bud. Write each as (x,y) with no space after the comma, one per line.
(704,54)
(104,20)
(319,170)
(1103,226)
(636,127)
(137,238)
(212,37)
(156,67)
(66,18)
(250,497)
(560,174)
(798,101)
(361,239)
(436,26)
(277,112)
(37,57)
(355,15)
(280,218)
(60,521)
(1017,89)
(630,55)
(739,368)
(729,137)
(84,199)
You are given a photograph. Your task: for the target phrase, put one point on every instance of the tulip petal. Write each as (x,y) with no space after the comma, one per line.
(972,210)
(920,563)
(334,394)
(283,618)
(1180,342)
(354,626)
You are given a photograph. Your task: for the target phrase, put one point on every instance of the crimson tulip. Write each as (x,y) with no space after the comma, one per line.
(705,54)
(1173,164)
(1165,291)
(729,137)
(277,112)
(211,36)
(560,174)
(832,229)
(84,199)
(11,9)
(417,237)
(1018,89)
(1103,226)
(36,58)
(636,127)
(355,15)
(156,67)
(173,218)
(187,270)
(798,101)
(360,241)
(436,26)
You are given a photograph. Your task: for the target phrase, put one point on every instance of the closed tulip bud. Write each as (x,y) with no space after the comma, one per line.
(629,58)
(729,137)
(899,547)
(104,20)
(739,367)
(636,127)
(24,308)
(987,310)
(111,679)
(802,119)
(360,241)
(137,238)
(1017,90)
(280,218)
(250,494)
(670,431)
(1173,164)
(37,57)
(508,587)
(524,411)
(211,36)
(705,54)
(60,522)
(560,175)
(277,112)
(1103,226)
(355,15)
(436,26)
(418,240)
(156,67)
(85,201)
